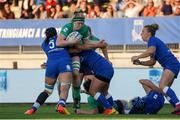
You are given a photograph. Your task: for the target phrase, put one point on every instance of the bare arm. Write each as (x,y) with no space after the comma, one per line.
(145,54)
(61,42)
(91,45)
(105,53)
(123,7)
(36,9)
(78,3)
(1,16)
(150,85)
(150,62)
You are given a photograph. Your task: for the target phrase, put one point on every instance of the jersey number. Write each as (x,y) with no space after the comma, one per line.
(51,44)
(155,96)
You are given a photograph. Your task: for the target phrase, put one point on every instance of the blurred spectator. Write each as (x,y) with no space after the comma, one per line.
(157,3)
(150,9)
(49,4)
(97,11)
(91,12)
(176,4)
(82,4)
(131,8)
(2,2)
(37,2)
(6,12)
(40,12)
(117,4)
(70,12)
(166,8)
(91,8)
(59,13)
(27,4)
(109,12)
(101,2)
(117,7)
(177,12)
(25,14)
(83,7)
(26,10)
(52,12)
(66,2)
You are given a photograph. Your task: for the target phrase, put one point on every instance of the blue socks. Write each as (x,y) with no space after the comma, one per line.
(101,99)
(109,99)
(35,106)
(172,98)
(62,102)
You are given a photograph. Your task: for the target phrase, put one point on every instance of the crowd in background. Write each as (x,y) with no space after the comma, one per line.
(57,9)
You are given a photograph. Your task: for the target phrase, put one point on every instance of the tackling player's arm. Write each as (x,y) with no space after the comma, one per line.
(90,41)
(61,42)
(92,45)
(105,53)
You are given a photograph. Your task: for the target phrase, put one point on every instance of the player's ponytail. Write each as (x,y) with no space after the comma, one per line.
(152,28)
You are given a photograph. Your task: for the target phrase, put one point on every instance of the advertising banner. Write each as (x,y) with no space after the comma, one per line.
(115,31)
(23,86)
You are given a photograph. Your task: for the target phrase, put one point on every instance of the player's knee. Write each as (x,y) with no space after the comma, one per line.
(49,89)
(65,86)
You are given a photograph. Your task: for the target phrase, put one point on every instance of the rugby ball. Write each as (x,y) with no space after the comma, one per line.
(74,36)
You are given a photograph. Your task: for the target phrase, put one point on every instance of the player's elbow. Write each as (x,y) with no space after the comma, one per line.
(152,62)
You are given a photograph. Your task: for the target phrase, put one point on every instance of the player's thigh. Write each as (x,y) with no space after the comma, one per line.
(105,89)
(65,71)
(167,78)
(96,86)
(51,70)
(65,77)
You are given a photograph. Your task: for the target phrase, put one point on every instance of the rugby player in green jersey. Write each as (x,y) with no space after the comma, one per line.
(77,24)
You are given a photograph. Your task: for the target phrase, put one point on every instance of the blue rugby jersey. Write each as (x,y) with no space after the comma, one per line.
(154,101)
(162,54)
(52,51)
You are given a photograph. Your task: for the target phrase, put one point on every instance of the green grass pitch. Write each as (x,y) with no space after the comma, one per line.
(47,111)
